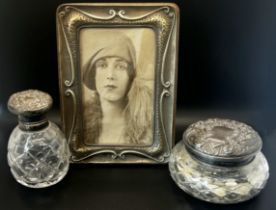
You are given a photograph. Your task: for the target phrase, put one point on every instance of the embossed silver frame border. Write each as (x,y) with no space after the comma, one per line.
(163,18)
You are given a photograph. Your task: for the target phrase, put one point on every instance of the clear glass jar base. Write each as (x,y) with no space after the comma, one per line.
(42,184)
(38,159)
(217,184)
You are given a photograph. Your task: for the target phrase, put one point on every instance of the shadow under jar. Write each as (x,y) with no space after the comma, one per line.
(38,154)
(219,161)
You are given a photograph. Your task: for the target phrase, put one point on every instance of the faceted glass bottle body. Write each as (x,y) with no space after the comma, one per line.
(38,158)
(217,184)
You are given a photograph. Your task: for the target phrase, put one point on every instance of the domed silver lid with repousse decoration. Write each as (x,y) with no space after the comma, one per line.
(31,107)
(222,142)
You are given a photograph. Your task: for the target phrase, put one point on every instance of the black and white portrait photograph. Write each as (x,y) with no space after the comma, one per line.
(117,67)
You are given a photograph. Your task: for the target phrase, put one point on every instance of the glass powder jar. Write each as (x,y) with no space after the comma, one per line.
(219,161)
(38,154)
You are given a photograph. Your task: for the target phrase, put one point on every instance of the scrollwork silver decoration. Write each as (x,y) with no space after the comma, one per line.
(113,153)
(70,93)
(121,155)
(112,13)
(67,83)
(167,84)
(122,14)
(165,93)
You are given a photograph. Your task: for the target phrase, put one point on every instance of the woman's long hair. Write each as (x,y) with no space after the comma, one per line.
(92,115)
(137,114)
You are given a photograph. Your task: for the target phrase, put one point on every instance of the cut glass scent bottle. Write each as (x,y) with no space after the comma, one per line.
(38,154)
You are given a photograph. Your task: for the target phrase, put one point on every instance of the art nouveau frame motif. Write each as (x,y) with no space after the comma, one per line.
(163,19)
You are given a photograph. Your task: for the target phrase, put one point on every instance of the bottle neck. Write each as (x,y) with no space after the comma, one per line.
(32,123)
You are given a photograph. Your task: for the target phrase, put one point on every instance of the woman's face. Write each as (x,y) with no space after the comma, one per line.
(112,79)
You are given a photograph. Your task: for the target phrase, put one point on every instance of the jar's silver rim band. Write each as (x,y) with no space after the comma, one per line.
(218,160)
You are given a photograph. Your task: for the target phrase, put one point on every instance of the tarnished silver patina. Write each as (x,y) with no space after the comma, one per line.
(219,161)
(222,141)
(30,102)
(163,20)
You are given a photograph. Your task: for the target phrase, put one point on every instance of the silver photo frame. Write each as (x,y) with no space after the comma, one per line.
(117,78)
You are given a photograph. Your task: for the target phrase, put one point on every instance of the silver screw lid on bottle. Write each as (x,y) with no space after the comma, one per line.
(222,142)
(31,107)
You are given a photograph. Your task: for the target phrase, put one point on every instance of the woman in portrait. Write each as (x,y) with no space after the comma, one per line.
(120,110)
